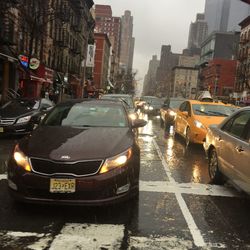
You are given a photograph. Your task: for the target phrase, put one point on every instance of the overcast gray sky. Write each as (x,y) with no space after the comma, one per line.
(157,22)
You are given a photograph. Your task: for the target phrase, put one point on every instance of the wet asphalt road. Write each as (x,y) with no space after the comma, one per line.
(177,208)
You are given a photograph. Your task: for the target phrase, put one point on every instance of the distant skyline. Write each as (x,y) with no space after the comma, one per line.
(166,22)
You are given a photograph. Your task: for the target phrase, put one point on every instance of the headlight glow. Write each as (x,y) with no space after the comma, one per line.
(151,108)
(21,159)
(133,116)
(24,119)
(116,161)
(199,124)
(146,107)
(172,113)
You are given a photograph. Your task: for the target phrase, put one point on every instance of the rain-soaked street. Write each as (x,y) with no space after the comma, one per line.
(177,208)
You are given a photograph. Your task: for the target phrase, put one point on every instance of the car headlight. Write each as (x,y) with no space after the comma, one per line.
(21,159)
(116,161)
(132,116)
(24,119)
(146,107)
(199,124)
(172,113)
(150,108)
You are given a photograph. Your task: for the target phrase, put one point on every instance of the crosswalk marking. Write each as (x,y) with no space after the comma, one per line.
(3,176)
(187,188)
(89,236)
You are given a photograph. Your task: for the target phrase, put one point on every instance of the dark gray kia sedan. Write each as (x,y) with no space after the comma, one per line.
(83,152)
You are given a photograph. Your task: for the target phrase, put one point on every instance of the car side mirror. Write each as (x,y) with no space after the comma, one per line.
(185,113)
(138,123)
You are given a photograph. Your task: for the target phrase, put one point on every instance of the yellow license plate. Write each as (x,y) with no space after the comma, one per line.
(1,130)
(62,185)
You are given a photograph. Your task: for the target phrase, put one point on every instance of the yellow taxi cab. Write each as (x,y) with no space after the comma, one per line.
(195,116)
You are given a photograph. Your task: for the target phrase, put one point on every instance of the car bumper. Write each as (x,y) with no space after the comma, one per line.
(16,129)
(100,189)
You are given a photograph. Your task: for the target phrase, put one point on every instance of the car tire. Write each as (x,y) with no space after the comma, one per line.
(187,137)
(213,168)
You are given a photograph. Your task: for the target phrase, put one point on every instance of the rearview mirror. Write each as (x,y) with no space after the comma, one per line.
(138,123)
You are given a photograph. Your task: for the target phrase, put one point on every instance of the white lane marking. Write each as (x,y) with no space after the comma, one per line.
(3,177)
(194,230)
(187,188)
(89,236)
(23,234)
(159,243)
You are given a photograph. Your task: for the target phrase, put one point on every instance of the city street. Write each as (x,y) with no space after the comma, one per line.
(177,208)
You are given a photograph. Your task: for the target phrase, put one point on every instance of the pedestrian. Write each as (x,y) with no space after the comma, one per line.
(85,90)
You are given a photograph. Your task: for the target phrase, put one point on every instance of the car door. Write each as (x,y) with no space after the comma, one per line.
(181,119)
(234,149)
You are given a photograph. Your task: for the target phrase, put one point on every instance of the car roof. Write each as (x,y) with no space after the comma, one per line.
(93,102)
(203,102)
(118,95)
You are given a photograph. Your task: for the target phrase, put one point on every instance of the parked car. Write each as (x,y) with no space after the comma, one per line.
(227,146)
(151,105)
(83,152)
(128,101)
(193,118)
(168,112)
(19,116)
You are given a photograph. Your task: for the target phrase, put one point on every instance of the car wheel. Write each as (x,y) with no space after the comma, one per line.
(187,138)
(213,168)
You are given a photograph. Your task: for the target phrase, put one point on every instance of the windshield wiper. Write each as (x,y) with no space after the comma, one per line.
(218,113)
(202,112)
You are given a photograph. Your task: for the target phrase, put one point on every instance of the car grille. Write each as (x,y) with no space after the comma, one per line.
(7,121)
(80,168)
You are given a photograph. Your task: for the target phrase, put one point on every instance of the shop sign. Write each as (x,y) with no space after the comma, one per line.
(34,63)
(24,60)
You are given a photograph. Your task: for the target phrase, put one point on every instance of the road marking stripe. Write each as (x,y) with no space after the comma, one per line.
(89,236)
(194,230)
(3,177)
(187,188)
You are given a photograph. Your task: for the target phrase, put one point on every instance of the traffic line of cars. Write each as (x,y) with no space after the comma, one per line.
(222,129)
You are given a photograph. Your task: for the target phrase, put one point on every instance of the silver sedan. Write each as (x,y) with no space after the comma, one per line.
(228,150)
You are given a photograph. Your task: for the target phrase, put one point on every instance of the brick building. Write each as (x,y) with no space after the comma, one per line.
(243,67)
(102,57)
(219,77)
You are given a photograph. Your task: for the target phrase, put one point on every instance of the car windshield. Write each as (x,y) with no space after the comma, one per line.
(174,104)
(152,100)
(79,115)
(127,99)
(212,110)
(29,104)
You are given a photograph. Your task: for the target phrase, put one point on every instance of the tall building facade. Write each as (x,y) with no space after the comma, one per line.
(149,85)
(168,61)
(102,56)
(127,42)
(197,32)
(185,77)
(225,15)
(108,24)
(243,67)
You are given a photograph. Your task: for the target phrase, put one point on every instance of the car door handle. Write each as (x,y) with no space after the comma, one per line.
(239,149)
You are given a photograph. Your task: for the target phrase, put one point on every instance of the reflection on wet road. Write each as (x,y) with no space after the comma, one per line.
(177,208)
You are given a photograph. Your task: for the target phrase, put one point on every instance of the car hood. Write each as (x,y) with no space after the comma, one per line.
(209,120)
(58,143)
(15,113)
